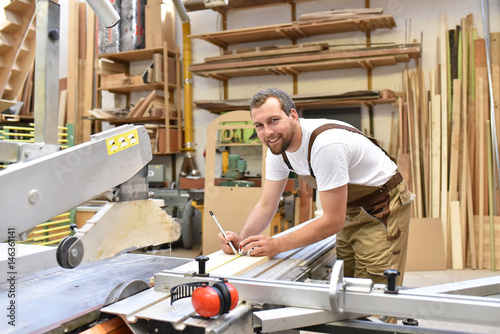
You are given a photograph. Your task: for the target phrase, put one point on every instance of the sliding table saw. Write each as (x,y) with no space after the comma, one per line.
(305,289)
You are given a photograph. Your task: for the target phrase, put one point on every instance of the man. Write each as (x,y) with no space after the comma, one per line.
(365,201)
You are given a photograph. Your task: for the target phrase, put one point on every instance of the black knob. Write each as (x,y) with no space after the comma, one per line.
(391,275)
(410,322)
(201,263)
(73,227)
(54,34)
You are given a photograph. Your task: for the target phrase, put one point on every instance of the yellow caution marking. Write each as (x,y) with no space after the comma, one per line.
(122,142)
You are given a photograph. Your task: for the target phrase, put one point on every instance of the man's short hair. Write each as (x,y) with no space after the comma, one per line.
(284,99)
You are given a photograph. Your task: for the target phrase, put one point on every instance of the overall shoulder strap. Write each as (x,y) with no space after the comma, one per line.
(323,128)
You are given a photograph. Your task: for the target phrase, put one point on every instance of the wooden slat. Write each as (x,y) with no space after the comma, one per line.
(481,108)
(73,82)
(456,236)
(88,74)
(271,51)
(444,133)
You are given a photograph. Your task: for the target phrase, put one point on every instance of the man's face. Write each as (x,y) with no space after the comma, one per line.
(274,128)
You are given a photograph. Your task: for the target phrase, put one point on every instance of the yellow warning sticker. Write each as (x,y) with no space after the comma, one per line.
(122,142)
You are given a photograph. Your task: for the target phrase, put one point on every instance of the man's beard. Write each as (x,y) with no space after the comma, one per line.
(286,140)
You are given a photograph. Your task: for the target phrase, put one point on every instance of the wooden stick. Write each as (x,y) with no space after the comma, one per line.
(456,234)
(455,230)
(416,149)
(480,132)
(436,152)
(444,132)
(464,137)
(491,182)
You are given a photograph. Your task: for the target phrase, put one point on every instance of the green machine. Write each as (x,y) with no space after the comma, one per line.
(236,170)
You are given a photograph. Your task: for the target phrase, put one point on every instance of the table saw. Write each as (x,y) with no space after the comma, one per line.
(305,289)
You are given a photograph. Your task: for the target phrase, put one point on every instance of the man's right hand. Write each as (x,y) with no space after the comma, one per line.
(231,237)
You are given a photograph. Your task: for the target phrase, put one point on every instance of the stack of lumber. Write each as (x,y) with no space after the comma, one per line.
(17,53)
(366,98)
(147,109)
(309,25)
(296,59)
(444,145)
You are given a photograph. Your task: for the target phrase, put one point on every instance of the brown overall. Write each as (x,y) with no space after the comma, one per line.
(375,235)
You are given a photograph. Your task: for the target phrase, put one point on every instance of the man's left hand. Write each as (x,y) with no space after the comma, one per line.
(261,245)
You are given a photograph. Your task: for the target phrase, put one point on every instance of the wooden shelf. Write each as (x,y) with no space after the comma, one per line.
(312,61)
(135,55)
(297,29)
(138,88)
(166,131)
(365,98)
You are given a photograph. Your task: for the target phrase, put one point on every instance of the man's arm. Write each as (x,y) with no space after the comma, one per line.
(260,216)
(334,203)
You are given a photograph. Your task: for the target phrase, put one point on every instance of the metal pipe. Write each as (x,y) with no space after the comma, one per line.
(189,164)
(494,143)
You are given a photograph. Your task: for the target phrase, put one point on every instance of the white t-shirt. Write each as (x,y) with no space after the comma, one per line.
(338,157)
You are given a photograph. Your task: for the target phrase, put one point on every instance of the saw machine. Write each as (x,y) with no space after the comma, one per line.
(302,289)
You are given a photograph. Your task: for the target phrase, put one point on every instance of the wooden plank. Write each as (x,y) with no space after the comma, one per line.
(416,146)
(454,216)
(341,13)
(139,110)
(73,82)
(444,131)
(28,90)
(436,152)
(456,235)
(63,99)
(259,52)
(455,140)
(136,108)
(482,109)
(426,245)
(411,140)
(464,155)
(195,5)
(88,74)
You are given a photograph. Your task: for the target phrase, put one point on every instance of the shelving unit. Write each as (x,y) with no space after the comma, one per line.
(166,130)
(292,60)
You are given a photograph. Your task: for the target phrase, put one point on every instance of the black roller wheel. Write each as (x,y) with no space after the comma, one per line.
(69,253)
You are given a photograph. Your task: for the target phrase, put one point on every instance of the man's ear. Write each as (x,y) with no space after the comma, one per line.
(294,114)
